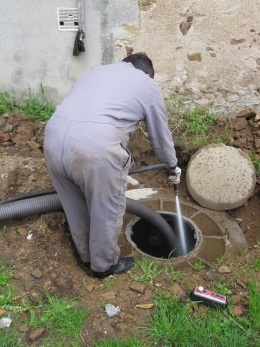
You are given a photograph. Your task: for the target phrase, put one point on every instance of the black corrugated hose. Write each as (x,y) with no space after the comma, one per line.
(48,201)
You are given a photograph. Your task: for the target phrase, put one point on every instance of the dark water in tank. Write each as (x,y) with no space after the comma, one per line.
(150,241)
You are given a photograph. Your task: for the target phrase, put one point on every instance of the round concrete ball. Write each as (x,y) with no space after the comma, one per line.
(220,177)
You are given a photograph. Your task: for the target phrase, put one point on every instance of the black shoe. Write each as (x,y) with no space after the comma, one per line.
(123,265)
(87,265)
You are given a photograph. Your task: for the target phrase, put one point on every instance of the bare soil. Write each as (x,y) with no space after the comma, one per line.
(41,249)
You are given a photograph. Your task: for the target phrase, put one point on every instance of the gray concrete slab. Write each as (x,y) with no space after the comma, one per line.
(220,177)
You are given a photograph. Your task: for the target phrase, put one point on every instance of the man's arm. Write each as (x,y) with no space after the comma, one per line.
(159,134)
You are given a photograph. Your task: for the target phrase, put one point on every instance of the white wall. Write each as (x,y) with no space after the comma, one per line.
(34,51)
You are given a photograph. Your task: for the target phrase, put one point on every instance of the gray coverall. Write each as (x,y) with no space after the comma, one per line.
(85,150)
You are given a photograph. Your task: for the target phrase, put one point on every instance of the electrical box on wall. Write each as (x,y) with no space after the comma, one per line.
(68,19)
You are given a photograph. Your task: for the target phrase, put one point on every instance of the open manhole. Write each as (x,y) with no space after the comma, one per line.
(149,240)
(209,235)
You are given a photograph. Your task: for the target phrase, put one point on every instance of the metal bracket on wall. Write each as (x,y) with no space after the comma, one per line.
(81,14)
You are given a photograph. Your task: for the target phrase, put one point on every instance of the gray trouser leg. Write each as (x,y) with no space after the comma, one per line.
(90,177)
(106,219)
(76,210)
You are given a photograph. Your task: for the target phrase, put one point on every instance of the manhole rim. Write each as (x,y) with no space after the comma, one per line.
(185,257)
(231,233)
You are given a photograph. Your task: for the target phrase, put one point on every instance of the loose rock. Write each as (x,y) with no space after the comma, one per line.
(5,322)
(177,290)
(224,269)
(47,284)
(23,328)
(4,138)
(111,310)
(22,231)
(248,113)
(148,294)
(36,334)
(237,311)
(37,273)
(257,117)
(138,287)
(239,124)
(242,284)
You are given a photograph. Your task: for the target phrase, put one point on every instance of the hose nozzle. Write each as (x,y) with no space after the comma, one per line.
(175,188)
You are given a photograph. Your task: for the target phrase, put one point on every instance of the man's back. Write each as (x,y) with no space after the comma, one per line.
(108,94)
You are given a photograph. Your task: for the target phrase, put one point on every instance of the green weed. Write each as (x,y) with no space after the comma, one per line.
(176,276)
(191,286)
(131,342)
(169,269)
(7,103)
(149,270)
(175,112)
(255,162)
(220,259)
(5,275)
(3,232)
(198,265)
(256,265)
(8,300)
(110,282)
(198,121)
(254,305)
(223,138)
(195,124)
(192,127)
(63,319)
(173,325)
(221,288)
(36,107)
(9,339)
(4,109)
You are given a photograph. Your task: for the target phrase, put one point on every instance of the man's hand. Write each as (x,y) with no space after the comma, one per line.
(175,178)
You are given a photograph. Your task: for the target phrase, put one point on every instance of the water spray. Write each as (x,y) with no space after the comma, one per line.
(175,189)
(180,229)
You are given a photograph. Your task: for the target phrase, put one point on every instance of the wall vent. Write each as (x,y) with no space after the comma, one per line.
(68,19)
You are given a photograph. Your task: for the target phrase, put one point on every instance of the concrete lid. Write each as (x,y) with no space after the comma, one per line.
(220,177)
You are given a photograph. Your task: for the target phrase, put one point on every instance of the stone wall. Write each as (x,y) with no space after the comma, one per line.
(205,53)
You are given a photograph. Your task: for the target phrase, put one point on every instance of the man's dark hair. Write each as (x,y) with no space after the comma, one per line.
(141,62)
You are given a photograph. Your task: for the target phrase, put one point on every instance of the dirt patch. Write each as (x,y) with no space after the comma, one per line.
(41,248)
